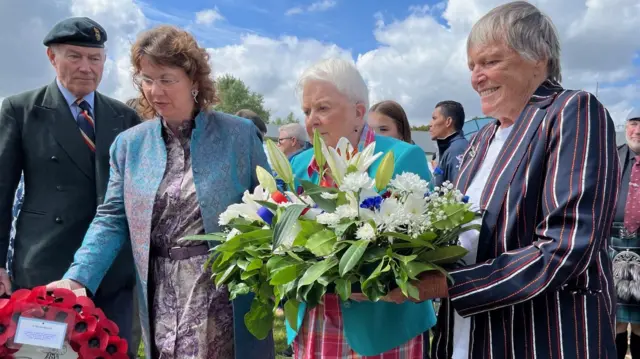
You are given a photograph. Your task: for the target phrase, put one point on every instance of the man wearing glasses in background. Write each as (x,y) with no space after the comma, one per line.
(292,139)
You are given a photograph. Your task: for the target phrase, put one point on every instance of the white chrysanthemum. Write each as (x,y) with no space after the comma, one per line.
(389,217)
(327,195)
(410,183)
(329,219)
(366,232)
(346,211)
(227,216)
(234,232)
(356,181)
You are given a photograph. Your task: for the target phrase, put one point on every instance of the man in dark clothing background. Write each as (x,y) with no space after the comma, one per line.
(445,128)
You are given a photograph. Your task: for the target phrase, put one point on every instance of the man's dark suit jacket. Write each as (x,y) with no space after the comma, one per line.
(39,136)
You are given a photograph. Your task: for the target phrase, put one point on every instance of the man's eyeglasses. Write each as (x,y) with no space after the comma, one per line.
(280,140)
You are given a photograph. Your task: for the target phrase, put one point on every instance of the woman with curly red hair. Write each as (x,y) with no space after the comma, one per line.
(170,178)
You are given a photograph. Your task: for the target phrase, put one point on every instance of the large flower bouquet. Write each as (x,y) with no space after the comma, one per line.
(349,232)
(89,333)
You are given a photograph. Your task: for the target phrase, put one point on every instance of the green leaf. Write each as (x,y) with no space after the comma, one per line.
(286,224)
(255,263)
(375,274)
(259,319)
(343,288)
(413,291)
(269,205)
(285,275)
(291,313)
(213,237)
(221,278)
(312,294)
(244,240)
(443,255)
(244,275)
(352,256)
(321,243)
(342,228)
(316,270)
(415,268)
(405,259)
(238,289)
(314,191)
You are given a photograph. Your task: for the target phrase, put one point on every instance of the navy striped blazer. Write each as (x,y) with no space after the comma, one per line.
(542,285)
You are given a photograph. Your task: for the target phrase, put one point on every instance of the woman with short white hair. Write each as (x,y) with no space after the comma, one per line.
(335,100)
(537,281)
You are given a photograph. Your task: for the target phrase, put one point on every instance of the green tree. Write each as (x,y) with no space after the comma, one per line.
(420,128)
(234,96)
(291,118)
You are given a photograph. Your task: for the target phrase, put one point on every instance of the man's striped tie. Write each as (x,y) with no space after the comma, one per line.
(86,124)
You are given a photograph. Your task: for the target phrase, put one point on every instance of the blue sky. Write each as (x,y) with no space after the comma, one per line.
(348,24)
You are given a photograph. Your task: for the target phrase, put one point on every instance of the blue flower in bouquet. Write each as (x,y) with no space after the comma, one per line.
(438,171)
(371,203)
(465,199)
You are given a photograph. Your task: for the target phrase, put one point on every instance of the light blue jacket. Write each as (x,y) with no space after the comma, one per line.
(374,328)
(225,151)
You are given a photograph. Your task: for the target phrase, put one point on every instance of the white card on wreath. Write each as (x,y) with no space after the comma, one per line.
(40,333)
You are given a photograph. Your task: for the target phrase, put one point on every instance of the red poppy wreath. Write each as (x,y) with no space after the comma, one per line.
(89,333)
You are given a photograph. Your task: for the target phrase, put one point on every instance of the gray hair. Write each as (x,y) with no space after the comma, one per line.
(340,73)
(523,28)
(295,130)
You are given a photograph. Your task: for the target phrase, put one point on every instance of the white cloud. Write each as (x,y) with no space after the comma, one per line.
(208,17)
(294,11)
(318,6)
(323,5)
(417,61)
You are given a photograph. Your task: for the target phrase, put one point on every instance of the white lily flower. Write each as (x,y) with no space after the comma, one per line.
(344,158)
(249,207)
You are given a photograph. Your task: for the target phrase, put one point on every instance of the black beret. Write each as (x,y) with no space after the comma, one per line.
(79,31)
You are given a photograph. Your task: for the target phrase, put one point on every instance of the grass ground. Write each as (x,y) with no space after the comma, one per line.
(279,336)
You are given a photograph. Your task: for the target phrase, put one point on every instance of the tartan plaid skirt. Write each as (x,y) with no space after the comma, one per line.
(321,336)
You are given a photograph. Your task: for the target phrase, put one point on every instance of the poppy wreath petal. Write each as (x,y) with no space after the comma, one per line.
(110,327)
(83,305)
(93,353)
(20,295)
(83,328)
(99,314)
(7,329)
(119,356)
(117,345)
(96,339)
(60,315)
(63,298)
(33,311)
(40,296)
(6,307)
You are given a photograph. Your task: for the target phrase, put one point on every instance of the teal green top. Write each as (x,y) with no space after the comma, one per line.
(373,328)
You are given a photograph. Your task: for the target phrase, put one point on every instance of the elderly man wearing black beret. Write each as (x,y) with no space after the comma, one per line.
(59,137)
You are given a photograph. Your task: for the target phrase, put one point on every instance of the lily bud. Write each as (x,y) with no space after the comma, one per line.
(318,143)
(280,163)
(266,180)
(385,171)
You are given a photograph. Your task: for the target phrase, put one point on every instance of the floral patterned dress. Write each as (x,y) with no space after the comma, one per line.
(190,318)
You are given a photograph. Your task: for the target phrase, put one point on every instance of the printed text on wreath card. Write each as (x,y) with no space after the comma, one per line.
(41,333)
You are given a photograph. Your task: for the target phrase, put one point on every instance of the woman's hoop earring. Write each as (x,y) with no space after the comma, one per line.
(194,93)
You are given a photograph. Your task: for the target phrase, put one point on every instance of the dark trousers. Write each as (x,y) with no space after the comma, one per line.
(118,307)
